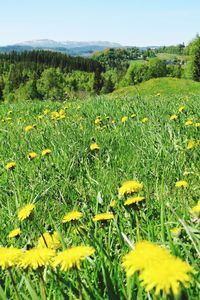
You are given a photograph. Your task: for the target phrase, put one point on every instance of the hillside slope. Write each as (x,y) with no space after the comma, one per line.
(163,86)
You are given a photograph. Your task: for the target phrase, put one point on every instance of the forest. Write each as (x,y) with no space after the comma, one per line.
(47,75)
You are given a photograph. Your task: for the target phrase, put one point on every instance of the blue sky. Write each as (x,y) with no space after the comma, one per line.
(129,22)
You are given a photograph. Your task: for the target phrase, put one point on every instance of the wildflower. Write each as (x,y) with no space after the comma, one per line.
(133,200)
(181,109)
(113,203)
(176,231)
(72,257)
(191,144)
(10,166)
(103,217)
(32,155)
(48,240)
(72,216)
(25,211)
(55,115)
(145,120)
(124,119)
(9,257)
(173,117)
(98,120)
(144,254)
(94,147)
(182,184)
(129,187)
(188,122)
(28,128)
(166,276)
(196,209)
(46,152)
(36,258)
(157,268)
(14,233)
(197,124)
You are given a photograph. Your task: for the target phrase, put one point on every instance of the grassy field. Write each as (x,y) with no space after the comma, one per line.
(93,147)
(168,56)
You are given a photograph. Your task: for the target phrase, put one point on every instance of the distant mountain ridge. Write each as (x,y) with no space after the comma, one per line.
(67,47)
(67,44)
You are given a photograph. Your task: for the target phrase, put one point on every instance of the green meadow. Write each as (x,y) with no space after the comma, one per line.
(148,133)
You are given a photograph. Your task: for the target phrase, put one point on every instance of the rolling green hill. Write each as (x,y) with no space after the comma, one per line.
(163,86)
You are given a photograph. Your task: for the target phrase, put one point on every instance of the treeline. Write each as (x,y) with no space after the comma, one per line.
(179,49)
(42,59)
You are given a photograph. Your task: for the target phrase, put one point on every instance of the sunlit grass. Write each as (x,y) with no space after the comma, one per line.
(68,175)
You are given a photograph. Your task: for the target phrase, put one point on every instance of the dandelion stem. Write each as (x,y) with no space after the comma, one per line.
(14,284)
(79,284)
(42,286)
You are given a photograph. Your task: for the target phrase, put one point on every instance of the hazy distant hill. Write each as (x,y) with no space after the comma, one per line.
(68,47)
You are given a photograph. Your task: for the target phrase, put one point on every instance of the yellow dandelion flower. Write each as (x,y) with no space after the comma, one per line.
(182,184)
(144,254)
(176,231)
(196,209)
(72,257)
(10,166)
(133,200)
(94,147)
(9,257)
(157,268)
(48,240)
(181,109)
(166,276)
(145,120)
(72,216)
(191,144)
(98,120)
(103,217)
(28,128)
(46,152)
(36,258)
(129,187)
(173,117)
(124,119)
(188,122)
(14,233)
(197,124)
(25,211)
(55,115)
(32,155)
(113,203)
